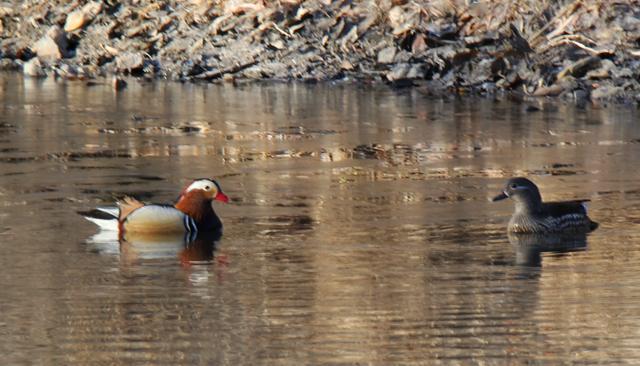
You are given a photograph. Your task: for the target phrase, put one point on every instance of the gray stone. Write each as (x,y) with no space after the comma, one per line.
(415,72)
(33,68)
(623,72)
(387,55)
(605,92)
(52,45)
(403,56)
(399,72)
(129,61)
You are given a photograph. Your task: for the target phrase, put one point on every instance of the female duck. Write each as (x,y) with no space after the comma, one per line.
(534,216)
(192,213)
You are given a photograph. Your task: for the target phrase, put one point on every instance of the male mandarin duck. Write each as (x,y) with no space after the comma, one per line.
(534,216)
(192,213)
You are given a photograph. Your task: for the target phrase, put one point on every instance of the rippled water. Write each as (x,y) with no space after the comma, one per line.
(359,230)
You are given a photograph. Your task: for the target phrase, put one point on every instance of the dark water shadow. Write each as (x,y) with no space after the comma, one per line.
(529,247)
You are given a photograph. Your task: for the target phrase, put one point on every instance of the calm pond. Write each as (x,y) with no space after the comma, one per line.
(358,232)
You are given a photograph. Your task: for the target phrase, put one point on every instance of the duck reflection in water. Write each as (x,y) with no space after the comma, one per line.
(529,247)
(189,249)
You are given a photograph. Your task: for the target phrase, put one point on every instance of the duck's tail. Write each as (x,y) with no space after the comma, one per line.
(105,217)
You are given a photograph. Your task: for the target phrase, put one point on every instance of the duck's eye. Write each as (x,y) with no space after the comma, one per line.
(513,186)
(206,188)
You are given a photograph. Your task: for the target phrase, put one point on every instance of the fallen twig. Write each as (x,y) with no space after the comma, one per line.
(214,74)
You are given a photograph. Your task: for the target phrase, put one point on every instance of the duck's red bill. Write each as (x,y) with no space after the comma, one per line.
(222,197)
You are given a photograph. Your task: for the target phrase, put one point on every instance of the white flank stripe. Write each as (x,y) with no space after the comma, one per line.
(185,222)
(192,222)
(113,211)
(110,225)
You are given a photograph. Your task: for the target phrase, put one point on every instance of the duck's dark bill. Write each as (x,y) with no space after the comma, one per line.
(499,197)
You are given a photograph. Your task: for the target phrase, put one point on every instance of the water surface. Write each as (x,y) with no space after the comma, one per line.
(359,230)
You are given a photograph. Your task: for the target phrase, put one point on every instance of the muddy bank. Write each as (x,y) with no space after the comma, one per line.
(587,51)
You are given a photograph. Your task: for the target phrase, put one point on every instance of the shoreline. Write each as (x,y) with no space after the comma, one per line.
(582,51)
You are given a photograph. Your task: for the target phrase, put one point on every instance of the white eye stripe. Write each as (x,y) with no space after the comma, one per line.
(203,184)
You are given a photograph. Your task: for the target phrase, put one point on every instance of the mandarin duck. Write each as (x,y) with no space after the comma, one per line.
(534,216)
(192,213)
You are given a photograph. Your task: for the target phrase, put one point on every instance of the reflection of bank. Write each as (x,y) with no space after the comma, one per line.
(188,248)
(529,247)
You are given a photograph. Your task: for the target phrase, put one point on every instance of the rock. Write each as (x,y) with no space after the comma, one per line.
(238,7)
(83,16)
(53,45)
(346,65)
(350,36)
(488,87)
(6,9)
(10,65)
(399,72)
(605,92)
(403,57)
(623,72)
(396,16)
(129,61)
(47,48)
(278,44)
(419,44)
(442,29)
(111,50)
(407,27)
(33,68)
(66,71)
(386,55)
(74,21)
(482,71)
(367,23)
(415,72)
